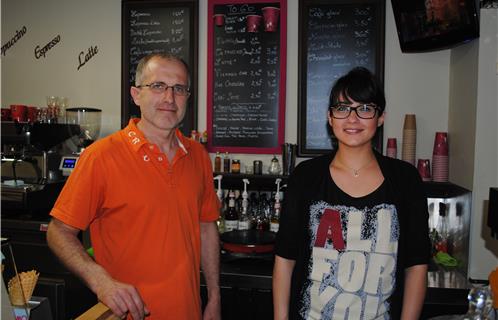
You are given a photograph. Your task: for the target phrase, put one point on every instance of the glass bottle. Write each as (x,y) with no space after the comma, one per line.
(231,216)
(480,304)
(226,163)
(275,217)
(442,229)
(262,217)
(217,162)
(244,220)
(274,167)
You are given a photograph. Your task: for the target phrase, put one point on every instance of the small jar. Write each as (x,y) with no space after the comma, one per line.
(235,166)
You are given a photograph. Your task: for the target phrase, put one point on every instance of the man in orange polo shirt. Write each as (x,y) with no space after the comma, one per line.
(146,193)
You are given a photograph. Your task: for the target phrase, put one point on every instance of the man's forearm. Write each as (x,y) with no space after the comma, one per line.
(63,241)
(210,257)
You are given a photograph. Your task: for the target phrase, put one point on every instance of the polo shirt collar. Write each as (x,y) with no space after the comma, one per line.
(136,139)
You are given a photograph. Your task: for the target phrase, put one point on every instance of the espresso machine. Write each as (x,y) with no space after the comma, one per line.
(31,179)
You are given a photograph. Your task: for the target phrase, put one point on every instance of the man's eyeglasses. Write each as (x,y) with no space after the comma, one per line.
(160,87)
(363,111)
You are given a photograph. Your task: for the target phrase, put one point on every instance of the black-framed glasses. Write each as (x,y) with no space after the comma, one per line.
(363,111)
(160,87)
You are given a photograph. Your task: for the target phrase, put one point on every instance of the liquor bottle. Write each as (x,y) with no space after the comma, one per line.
(217,162)
(442,229)
(226,163)
(231,216)
(219,194)
(244,221)
(263,214)
(275,217)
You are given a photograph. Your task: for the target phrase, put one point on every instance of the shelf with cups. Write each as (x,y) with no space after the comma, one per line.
(264,182)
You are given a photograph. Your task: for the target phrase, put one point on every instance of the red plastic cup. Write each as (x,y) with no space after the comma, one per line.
(392,148)
(424,169)
(6,114)
(441,144)
(32,114)
(271,15)
(253,22)
(219,19)
(18,112)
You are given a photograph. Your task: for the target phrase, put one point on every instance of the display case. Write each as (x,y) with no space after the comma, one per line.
(449,224)
(18,287)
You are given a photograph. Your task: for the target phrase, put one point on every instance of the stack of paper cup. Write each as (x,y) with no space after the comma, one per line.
(440,161)
(392,148)
(408,148)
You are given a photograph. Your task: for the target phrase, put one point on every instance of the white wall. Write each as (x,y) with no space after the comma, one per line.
(27,80)
(484,249)
(414,83)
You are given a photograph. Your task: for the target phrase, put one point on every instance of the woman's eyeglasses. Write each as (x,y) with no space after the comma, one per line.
(363,111)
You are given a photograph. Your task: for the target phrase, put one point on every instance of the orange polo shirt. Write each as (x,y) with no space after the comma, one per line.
(144,215)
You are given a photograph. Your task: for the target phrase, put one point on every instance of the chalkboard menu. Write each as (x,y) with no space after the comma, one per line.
(335,36)
(246,76)
(159,26)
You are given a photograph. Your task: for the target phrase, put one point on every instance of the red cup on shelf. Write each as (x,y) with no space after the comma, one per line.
(18,112)
(392,148)
(32,114)
(219,19)
(253,22)
(6,114)
(270,16)
(424,169)
(441,144)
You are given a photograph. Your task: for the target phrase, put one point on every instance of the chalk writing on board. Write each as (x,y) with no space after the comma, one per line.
(155,27)
(246,81)
(152,31)
(338,38)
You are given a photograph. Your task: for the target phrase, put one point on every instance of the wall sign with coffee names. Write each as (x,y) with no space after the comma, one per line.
(153,27)
(42,51)
(246,75)
(12,41)
(83,57)
(334,37)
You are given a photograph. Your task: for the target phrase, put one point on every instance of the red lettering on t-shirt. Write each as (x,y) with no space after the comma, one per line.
(330,227)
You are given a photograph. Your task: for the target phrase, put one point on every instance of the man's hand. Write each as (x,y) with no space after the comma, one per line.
(122,299)
(213,309)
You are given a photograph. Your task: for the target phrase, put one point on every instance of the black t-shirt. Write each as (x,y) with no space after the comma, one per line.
(347,249)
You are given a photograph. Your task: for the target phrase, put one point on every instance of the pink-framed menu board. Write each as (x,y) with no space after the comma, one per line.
(246,75)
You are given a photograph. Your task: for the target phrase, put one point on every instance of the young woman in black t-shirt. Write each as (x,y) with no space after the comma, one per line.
(353,240)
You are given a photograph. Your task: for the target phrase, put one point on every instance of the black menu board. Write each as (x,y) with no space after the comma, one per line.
(159,26)
(246,77)
(335,36)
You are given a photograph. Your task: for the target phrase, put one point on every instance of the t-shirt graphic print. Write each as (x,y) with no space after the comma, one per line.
(352,268)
